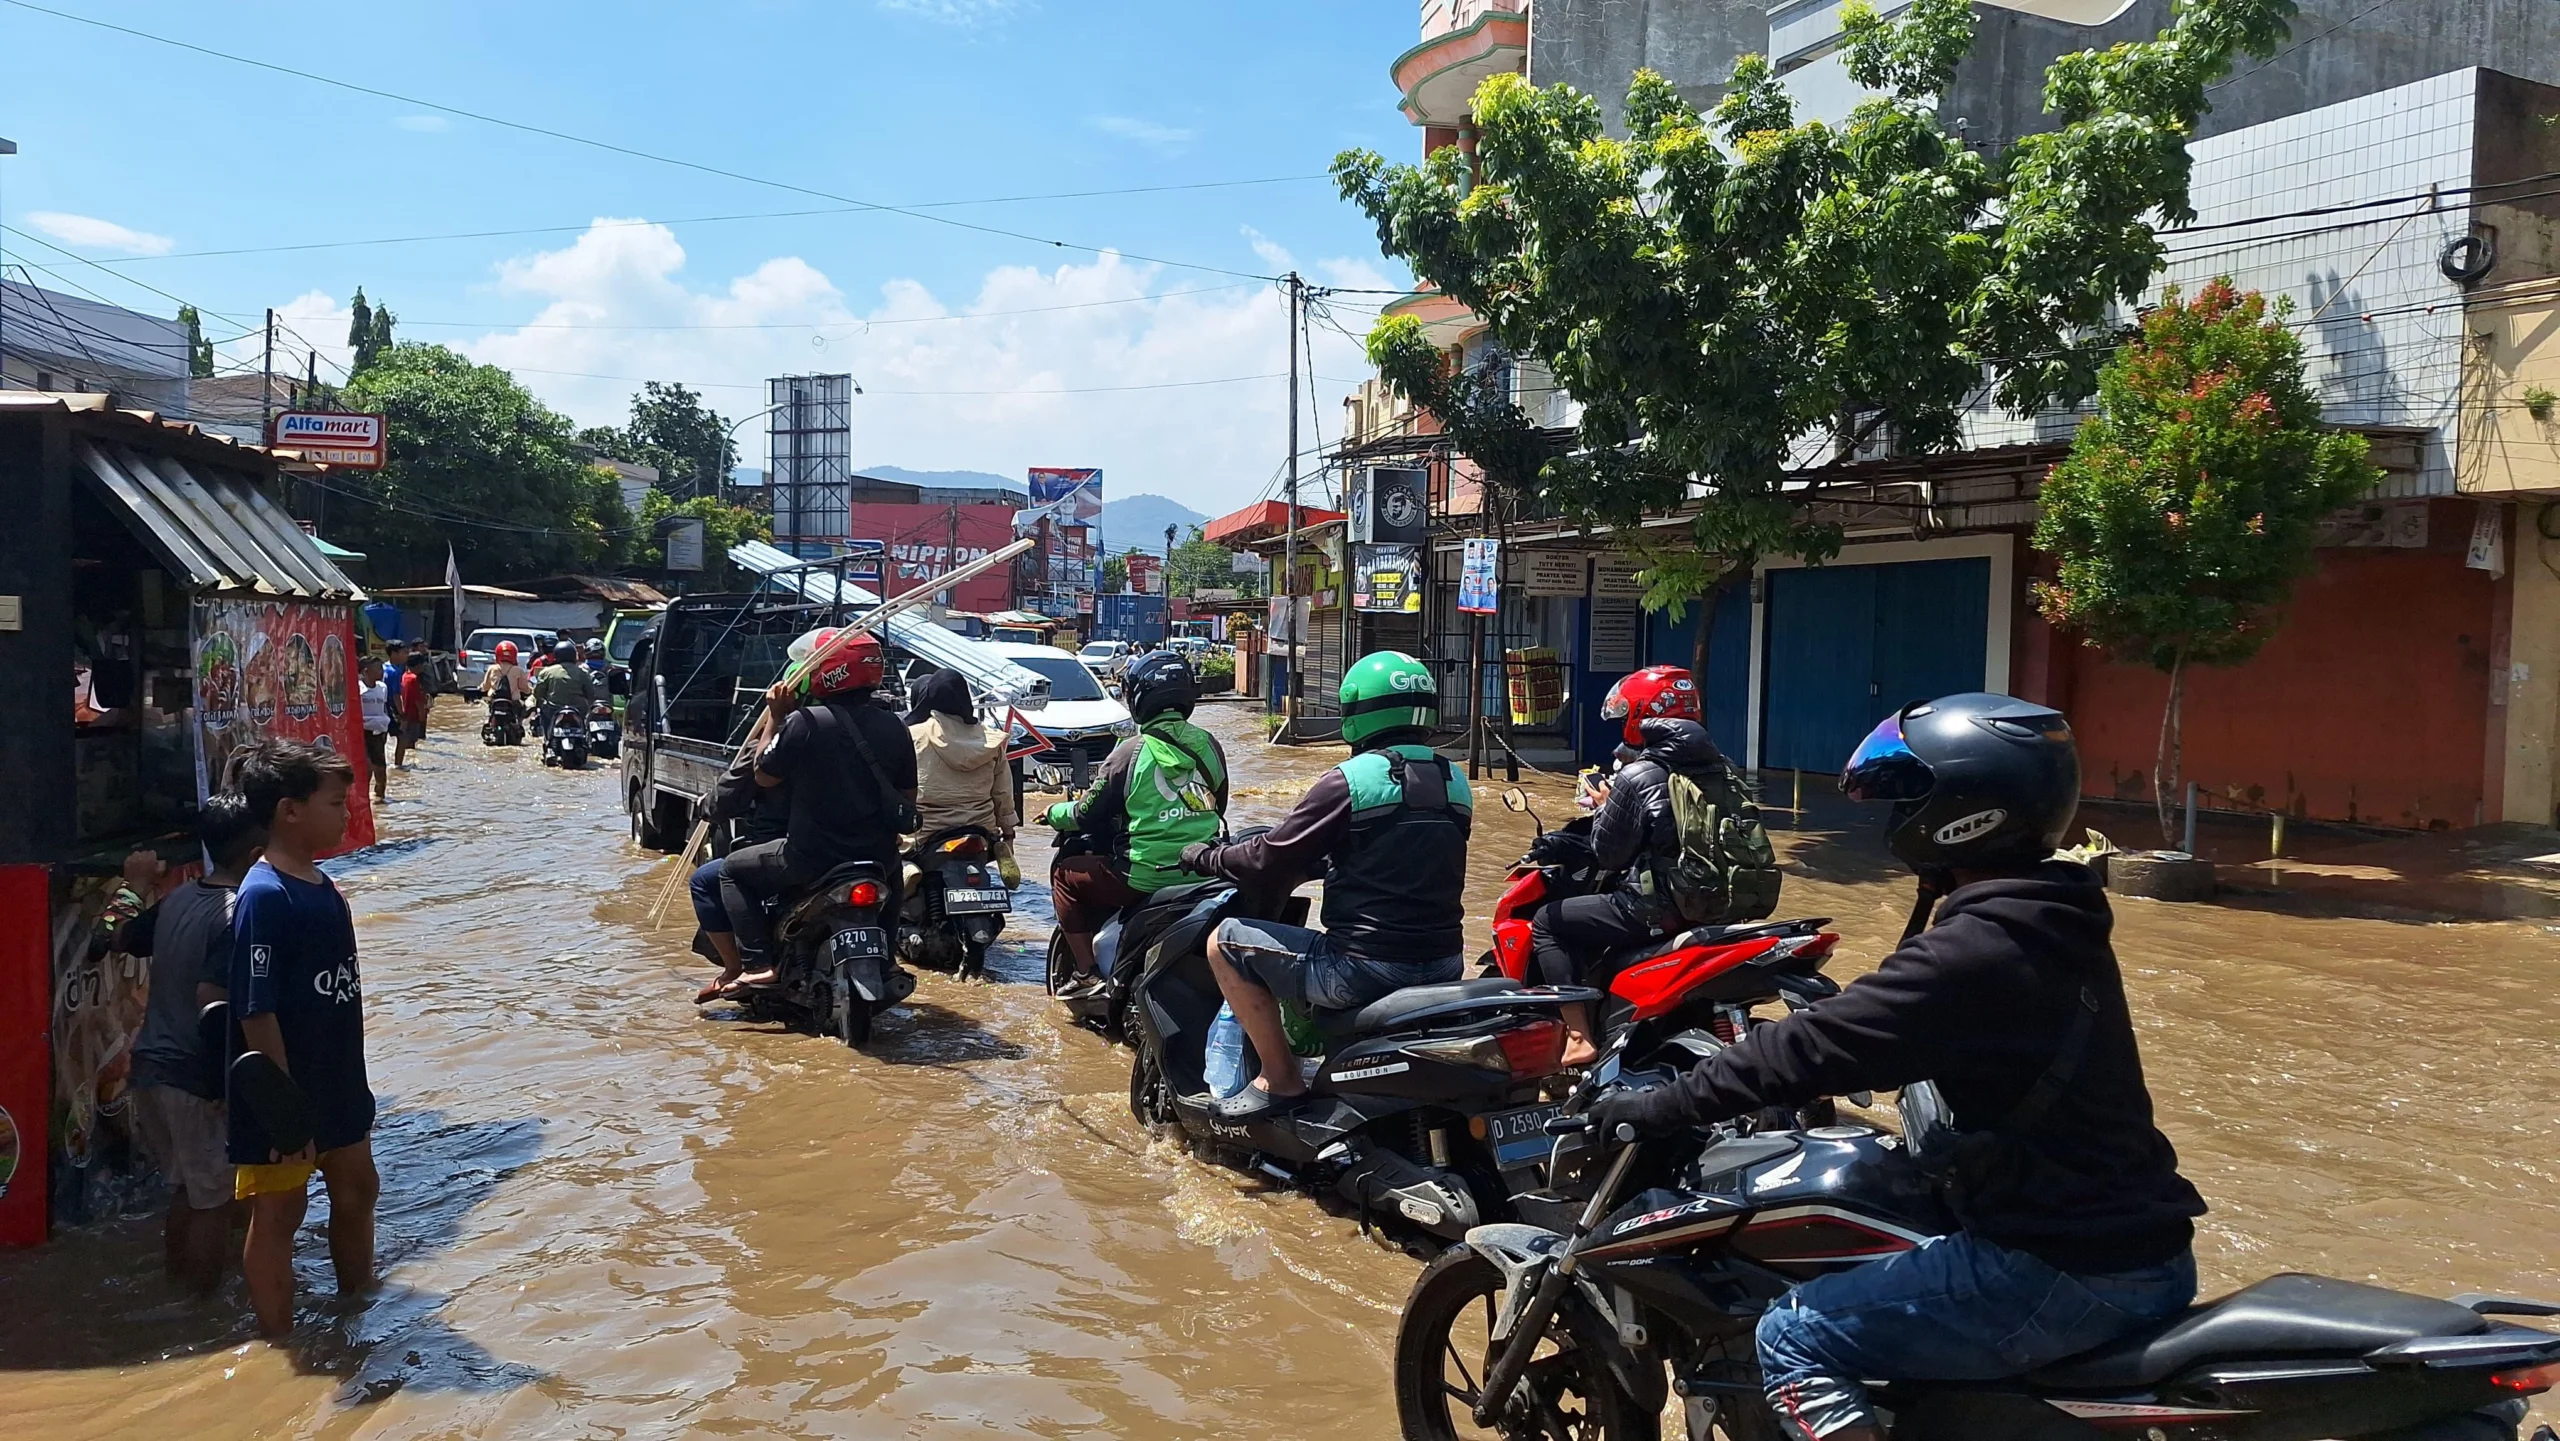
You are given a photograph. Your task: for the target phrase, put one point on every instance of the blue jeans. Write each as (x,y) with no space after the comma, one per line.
(1958,1308)
(704,888)
(1301,966)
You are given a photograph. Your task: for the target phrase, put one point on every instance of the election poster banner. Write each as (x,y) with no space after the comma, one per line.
(1479,578)
(270,668)
(1068,493)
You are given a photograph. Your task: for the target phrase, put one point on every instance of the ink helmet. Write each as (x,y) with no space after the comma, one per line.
(1657,692)
(857,665)
(1159,681)
(1387,690)
(1976,781)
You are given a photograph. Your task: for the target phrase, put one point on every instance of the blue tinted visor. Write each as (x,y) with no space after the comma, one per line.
(1883,768)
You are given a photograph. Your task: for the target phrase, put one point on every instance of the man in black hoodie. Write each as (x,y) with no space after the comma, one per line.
(2076,1226)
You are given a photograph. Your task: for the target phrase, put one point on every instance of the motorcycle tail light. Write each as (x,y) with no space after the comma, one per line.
(2529,1380)
(862,894)
(1816,948)
(1482,1052)
(1536,1049)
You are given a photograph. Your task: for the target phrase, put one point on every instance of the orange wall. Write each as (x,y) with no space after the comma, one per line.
(2370,704)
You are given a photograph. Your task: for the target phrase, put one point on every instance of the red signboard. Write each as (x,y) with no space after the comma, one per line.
(918,543)
(280,668)
(26,1055)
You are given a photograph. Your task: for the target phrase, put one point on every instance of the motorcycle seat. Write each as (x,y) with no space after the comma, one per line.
(2285,1316)
(1398,1006)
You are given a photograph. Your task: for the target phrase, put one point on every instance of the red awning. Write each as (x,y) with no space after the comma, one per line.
(1261,521)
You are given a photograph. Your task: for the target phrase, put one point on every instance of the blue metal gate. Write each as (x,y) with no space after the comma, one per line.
(1850,644)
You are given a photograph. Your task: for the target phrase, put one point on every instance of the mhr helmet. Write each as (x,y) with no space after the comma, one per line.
(1977,781)
(1387,690)
(1659,691)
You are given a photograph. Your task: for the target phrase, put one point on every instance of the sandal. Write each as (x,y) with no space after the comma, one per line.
(280,1107)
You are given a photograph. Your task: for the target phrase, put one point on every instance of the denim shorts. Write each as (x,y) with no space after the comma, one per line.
(1302,966)
(1957,1308)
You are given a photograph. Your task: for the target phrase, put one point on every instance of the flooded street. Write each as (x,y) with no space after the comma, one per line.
(605,1214)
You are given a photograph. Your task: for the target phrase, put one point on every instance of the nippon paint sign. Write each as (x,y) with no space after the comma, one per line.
(332,437)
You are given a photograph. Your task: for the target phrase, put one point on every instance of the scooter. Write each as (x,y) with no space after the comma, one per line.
(604,733)
(1109,1009)
(833,971)
(1683,1243)
(1425,1113)
(503,724)
(955,902)
(564,741)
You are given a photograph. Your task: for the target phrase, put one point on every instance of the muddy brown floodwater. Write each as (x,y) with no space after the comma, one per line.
(605,1214)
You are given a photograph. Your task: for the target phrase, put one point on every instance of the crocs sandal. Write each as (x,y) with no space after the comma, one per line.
(280,1107)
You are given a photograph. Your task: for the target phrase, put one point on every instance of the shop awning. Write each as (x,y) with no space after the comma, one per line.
(991,673)
(213,528)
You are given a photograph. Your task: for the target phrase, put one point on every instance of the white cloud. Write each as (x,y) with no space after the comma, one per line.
(1146,132)
(942,393)
(423,124)
(92,233)
(313,320)
(965,14)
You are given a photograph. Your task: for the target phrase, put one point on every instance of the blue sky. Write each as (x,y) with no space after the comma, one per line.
(138,156)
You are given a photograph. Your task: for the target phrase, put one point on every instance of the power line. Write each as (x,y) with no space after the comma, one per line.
(625,150)
(871,390)
(845,324)
(2279,55)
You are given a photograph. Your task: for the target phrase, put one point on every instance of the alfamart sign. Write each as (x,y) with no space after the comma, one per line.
(332,437)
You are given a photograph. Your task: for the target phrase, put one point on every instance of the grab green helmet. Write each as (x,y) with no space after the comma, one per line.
(1387,690)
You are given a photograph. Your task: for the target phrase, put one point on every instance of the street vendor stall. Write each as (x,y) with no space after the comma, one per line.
(150,564)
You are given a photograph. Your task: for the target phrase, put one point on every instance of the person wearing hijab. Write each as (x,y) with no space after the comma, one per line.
(961,775)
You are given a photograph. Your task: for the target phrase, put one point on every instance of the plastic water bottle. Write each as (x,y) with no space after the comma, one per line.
(1224,1056)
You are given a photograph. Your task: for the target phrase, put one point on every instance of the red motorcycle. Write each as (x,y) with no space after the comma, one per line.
(1708,978)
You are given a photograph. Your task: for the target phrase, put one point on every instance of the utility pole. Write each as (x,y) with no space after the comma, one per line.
(7,147)
(951,555)
(1289,542)
(267,385)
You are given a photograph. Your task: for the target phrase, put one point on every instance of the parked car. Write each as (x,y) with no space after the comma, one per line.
(1081,721)
(482,648)
(1105,658)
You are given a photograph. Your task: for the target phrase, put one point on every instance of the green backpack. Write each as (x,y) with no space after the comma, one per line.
(1725,872)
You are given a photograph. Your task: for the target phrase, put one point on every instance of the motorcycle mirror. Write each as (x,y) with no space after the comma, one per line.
(1515,799)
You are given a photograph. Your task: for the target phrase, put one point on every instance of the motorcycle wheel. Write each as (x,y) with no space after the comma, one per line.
(973,960)
(644,822)
(852,1013)
(1445,1343)
(1062,962)
(1150,1099)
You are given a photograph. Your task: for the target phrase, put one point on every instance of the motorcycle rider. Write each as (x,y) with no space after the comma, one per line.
(505,677)
(597,665)
(1157,793)
(1389,829)
(839,752)
(961,779)
(564,682)
(2076,1227)
(1635,832)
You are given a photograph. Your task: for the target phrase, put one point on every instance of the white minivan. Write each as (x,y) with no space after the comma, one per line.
(1081,721)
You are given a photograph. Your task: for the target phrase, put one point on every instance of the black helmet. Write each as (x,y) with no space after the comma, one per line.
(1978,781)
(1159,681)
(566,652)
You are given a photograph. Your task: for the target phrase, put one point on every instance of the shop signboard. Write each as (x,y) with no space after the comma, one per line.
(1478,578)
(279,669)
(684,545)
(1069,493)
(1556,572)
(1613,577)
(347,439)
(1613,638)
(1387,579)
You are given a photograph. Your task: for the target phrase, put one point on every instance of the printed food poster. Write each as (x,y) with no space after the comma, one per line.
(279,668)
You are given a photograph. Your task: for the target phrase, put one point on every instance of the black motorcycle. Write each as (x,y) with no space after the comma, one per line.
(604,733)
(503,724)
(1425,1113)
(833,971)
(1569,1328)
(564,741)
(955,903)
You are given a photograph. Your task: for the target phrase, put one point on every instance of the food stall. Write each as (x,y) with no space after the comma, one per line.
(151,564)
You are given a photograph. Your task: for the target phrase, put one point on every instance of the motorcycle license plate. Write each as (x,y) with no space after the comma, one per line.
(966,902)
(1520,1137)
(859,943)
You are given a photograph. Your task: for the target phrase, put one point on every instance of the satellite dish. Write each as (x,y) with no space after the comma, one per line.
(2070,12)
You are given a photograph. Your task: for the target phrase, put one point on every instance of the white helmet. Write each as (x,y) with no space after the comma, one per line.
(807,645)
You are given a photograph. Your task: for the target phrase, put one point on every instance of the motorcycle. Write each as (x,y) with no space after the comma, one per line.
(564,741)
(955,902)
(604,733)
(1568,1327)
(833,971)
(1109,1010)
(1424,1112)
(503,724)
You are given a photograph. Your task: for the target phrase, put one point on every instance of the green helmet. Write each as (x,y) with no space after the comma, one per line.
(1387,690)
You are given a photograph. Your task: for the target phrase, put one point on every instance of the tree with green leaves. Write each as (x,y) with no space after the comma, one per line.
(1115,575)
(2186,511)
(477,462)
(1197,565)
(199,349)
(1738,297)
(369,331)
(723,526)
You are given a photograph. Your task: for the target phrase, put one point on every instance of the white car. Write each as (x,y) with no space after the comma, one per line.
(1105,658)
(482,648)
(1080,720)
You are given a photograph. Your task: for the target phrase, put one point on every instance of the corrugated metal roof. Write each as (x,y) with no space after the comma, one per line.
(214,528)
(991,673)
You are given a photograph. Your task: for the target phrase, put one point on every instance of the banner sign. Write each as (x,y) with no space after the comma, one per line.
(1387,579)
(1557,572)
(684,545)
(1070,494)
(1479,584)
(333,437)
(1613,638)
(1613,577)
(1390,505)
(282,669)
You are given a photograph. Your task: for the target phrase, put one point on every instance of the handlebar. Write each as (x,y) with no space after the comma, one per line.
(1582,1126)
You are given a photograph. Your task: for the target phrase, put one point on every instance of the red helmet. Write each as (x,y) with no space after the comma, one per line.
(1656,691)
(506,652)
(856,665)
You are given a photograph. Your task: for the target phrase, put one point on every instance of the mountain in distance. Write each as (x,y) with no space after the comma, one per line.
(1139,520)
(944,478)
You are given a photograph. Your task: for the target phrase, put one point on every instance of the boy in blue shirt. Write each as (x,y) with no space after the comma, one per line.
(295,990)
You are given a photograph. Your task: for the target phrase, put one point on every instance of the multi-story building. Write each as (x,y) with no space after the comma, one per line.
(52,341)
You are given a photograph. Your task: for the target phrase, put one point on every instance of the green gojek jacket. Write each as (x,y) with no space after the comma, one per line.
(1157,792)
